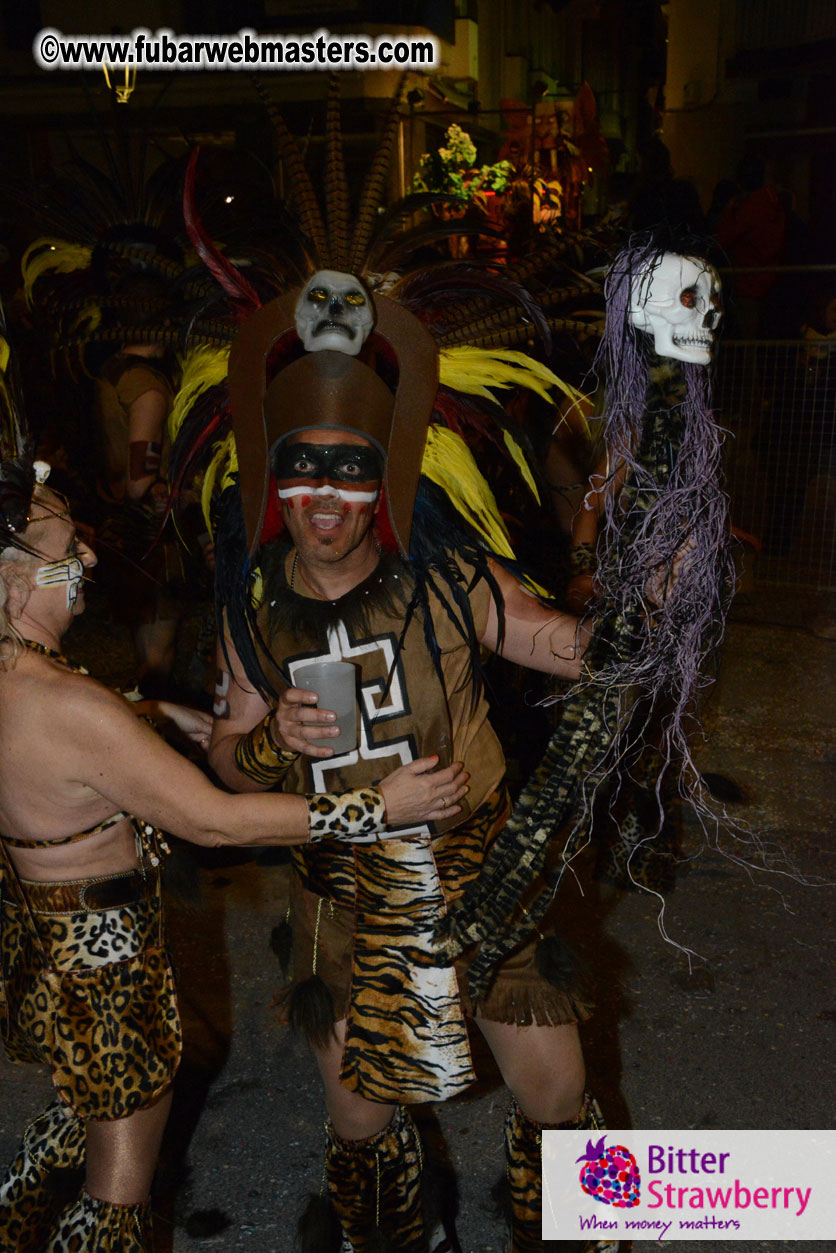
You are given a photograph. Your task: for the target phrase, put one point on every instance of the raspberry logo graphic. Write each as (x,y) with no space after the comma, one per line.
(610,1175)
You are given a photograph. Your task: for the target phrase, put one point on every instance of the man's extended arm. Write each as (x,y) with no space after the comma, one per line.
(534,636)
(115,754)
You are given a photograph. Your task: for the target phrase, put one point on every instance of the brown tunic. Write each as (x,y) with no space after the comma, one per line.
(364,914)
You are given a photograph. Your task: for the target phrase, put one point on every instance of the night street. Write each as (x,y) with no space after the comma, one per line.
(745,1040)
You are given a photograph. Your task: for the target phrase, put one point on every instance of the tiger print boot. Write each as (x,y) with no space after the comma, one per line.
(93,1224)
(525,1178)
(375,1187)
(30,1193)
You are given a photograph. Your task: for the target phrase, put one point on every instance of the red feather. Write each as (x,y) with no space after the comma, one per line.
(383,525)
(231,279)
(176,486)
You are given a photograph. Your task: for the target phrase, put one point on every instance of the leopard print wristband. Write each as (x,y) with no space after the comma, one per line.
(258,756)
(346,815)
(583,560)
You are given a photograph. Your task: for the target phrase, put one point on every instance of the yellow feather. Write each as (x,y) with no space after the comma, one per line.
(522,464)
(202,368)
(51,254)
(449,462)
(475,370)
(86,320)
(4,355)
(224,462)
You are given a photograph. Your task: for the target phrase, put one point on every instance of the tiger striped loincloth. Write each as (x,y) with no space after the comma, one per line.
(368,912)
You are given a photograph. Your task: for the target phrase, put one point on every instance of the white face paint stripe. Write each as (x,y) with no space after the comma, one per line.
(69,571)
(350,498)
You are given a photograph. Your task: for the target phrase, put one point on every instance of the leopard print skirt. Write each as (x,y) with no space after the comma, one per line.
(91,995)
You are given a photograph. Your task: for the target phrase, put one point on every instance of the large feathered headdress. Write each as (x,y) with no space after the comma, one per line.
(111,241)
(446,338)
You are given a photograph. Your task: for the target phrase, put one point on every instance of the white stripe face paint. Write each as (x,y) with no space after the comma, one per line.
(69,571)
(337,493)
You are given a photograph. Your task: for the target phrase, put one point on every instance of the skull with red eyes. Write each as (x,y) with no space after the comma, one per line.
(677,301)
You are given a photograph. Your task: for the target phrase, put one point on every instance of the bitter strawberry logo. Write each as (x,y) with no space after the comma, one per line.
(610,1175)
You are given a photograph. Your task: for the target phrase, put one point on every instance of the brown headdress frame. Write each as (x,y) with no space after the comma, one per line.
(417,360)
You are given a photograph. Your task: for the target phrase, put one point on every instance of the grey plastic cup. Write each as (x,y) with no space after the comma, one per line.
(335,683)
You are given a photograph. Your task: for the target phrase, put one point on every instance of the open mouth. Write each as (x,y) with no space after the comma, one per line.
(327,327)
(325,521)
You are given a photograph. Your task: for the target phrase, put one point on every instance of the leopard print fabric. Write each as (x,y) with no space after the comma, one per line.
(346,815)
(29,1201)
(94,1224)
(375,1186)
(104,1014)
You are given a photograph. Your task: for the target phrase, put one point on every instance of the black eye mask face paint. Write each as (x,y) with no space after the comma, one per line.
(340,463)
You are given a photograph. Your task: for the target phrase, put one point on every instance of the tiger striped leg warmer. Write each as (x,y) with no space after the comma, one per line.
(31,1192)
(93,1224)
(523,1164)
(375,1188)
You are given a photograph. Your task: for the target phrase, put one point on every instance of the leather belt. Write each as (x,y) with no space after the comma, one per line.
(80,895)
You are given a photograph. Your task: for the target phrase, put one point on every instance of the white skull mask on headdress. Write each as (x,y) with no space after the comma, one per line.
(677,301)
(334,311)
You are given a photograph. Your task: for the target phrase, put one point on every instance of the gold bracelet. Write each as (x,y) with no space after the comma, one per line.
(259,757)
(346,815)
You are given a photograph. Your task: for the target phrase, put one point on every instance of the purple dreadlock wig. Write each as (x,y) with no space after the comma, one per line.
(664,445)
(665,579)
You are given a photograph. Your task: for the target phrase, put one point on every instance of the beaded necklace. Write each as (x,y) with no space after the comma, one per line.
(54,655)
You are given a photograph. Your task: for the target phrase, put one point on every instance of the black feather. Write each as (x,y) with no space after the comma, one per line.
(558,964)
(310,1010)
(318,1229)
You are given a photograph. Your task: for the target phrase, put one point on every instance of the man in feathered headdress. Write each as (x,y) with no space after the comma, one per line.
(353,523)
(385,1015)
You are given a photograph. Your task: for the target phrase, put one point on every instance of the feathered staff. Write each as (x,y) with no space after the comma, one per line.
(647,656)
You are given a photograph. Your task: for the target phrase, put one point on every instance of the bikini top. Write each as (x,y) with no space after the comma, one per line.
(66,839)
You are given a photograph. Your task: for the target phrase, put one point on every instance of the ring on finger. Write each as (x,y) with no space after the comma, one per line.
(443,800)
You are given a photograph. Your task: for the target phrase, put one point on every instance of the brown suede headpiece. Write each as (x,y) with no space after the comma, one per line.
(333,390)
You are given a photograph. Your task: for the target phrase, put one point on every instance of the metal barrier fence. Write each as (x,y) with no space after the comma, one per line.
(777,398)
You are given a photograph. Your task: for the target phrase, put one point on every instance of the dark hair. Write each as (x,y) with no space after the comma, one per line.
(17,485)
